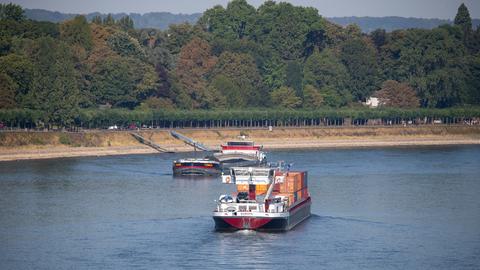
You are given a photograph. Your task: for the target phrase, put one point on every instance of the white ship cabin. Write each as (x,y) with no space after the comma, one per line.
(240,146)
(240,143)
(249,176)
(242,204)
(238,206)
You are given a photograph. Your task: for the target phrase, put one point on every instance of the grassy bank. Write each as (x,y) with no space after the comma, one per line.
(31,145)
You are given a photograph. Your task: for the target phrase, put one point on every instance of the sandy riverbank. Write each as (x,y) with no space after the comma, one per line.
(41,145)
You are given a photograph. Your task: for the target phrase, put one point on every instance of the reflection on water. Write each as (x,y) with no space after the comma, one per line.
(398,208)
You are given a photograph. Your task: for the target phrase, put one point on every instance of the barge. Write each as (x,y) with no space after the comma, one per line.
(267,199)
(240,154)
(196,166)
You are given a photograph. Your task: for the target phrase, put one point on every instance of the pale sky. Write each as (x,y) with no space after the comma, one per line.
(443,9)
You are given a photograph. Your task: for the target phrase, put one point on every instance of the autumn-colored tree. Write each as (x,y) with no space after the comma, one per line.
(195,61)
(395,94)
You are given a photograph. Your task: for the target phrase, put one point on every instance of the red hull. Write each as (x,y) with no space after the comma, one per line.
(297,214)
(248,223)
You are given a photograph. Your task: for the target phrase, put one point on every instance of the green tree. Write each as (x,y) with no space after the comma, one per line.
(464,21)
(156,103)
(20,69)
(294,77)
(360,60)
(316,38)
(159,54)
(273,72)
(213,99)
(333,98)
(12,12)
(54,89)
(97,20)
(123,81)
(125,23)
(8,89)
(442,88)
(432,61)
(325,71)
(379,38)
(228,88)
(284,28)
(312,99)
(284,97)
(178,35)
(242,71)
(77,32)
(109,20)
(234,22)
(473,95)
(125,45)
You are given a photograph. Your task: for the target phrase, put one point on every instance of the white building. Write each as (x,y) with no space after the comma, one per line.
(372,102)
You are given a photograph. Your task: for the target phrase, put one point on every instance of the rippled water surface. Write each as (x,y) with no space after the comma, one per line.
(396,208)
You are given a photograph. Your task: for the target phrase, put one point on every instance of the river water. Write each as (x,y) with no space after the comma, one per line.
(385,208)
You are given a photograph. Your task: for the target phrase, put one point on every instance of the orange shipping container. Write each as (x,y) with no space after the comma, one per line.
(261,189)
(242,188)
(298,183)
(284,187)
(293,183)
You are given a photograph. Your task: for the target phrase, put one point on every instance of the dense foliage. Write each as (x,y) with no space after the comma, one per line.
(275,57)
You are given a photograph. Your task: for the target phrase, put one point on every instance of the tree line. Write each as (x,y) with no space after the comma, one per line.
(236,58)
(123,118)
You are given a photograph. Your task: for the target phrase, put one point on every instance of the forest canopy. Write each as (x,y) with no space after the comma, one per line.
(235,57)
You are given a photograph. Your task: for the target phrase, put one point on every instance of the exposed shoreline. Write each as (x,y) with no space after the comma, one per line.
(120,142)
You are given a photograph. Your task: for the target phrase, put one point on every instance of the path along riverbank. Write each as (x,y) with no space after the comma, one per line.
(41,145)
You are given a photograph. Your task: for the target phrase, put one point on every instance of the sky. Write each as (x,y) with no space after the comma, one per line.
(443,9)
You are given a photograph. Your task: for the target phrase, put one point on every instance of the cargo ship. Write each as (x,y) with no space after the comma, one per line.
(268,199)
(241,154)
(196,166)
